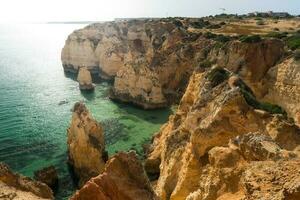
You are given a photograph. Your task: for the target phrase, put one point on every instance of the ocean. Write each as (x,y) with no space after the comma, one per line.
(36,98)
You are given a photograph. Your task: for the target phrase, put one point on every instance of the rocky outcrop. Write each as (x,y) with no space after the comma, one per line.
(49,176)
(283,83)
(250,60)
(216,108)
(151,61)
(85,79)
(123,178)
(15,186)
(86,146)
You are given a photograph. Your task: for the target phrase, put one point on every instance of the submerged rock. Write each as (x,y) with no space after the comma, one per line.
(15,186)
(86,145)
(123,178)
(85,79)
(49,176)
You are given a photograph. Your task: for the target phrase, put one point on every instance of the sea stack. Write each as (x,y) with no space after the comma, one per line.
(86,146)
(85,79)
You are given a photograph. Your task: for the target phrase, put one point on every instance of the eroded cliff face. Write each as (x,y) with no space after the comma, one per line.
(123,178)
(216,108)
(250,60)
(283,83)
(86,146)
(85,79)
(15,186)
(150,61)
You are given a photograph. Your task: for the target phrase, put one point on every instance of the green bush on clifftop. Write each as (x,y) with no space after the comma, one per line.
(250,38)
(217,75)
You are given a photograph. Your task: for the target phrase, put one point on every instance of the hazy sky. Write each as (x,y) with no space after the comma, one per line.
(75,10)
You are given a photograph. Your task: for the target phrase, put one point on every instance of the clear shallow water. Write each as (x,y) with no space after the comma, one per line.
(36,98)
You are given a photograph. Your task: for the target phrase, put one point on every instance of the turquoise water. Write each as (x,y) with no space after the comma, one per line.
(36,97)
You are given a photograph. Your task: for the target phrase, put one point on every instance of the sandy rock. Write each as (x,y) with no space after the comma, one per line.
(85,79)
(283,83)
(123,178)
(212,113)
(15,186)
(85,144)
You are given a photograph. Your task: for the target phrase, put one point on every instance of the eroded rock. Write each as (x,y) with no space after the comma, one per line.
(15,186)
(85,79)
(123,178)
(86,145)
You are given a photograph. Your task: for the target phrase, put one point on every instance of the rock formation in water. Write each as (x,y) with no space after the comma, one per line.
(49,176)
(86,146)
(123,178)
(15,186)
(85,79)
(218,139)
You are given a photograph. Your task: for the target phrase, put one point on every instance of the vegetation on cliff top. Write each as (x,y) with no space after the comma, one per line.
(217,76)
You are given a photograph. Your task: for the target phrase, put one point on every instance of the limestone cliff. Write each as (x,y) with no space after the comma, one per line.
(151,61)
(18,187)
(283,83)
(123,178)
(86,146)
(216,108)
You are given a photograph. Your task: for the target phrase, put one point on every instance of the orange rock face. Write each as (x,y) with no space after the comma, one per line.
(123,179)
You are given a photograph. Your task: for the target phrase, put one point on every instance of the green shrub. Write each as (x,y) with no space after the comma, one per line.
(260,23)
(209,35)
(278,35)
(250,39)
(297,54)
(213,26)
(222,38)
(293,42)
(178,23)
(200,24)
(206,64)
(217,76)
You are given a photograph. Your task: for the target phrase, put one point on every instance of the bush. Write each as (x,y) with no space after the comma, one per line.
(293,42)
(206,64)
(200,24)
(213,26)
(217,76)
(209,35)
(250,39)
(260,23)
(178,23)
(222,38)
(297,54)
(276,35)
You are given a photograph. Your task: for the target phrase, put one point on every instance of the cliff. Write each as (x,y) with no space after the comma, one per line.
(86,146)
(202,152)
(15,186)
(151,61)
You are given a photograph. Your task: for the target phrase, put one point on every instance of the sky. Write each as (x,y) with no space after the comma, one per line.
(103,10)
